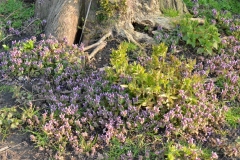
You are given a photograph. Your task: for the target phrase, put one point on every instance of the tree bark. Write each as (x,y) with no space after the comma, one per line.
(64,16)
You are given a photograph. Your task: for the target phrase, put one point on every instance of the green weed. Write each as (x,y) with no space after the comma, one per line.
(170,12)
(205,37)
(9,119)
(207,5)
(15,18)
(186,151)
(110,9)
(132,148)
(15,11)
(154,78)
(232,116)
(6,88)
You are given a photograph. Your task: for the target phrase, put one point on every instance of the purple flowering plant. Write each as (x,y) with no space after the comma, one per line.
(169,38)
(156,107)
(48,56)
(187,105)
(157,99)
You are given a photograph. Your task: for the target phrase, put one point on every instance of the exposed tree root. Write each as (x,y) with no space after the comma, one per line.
(97,49)
(128,31)
(131,39)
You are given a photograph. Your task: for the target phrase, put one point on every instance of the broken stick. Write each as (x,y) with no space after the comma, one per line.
(99,42)
(97,49)
(4,148)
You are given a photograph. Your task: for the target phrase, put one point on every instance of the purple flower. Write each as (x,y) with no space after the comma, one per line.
(166,35)
(213,21)
(9,22)
(81,47)
(43,22)
(159,28)
(180,35)
(195,12)
(214,12)
(195,1)
(214,155)
(17,32)
(11,30)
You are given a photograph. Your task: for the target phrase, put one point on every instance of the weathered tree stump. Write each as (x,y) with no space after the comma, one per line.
(65,16)
(62,17)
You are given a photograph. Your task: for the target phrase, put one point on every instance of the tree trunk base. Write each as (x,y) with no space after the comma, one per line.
(65,17)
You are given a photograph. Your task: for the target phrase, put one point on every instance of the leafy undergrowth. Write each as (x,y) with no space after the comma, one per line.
(16,19)
(156,107)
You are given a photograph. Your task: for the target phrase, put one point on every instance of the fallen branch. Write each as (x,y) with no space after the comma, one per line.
(7,147)
(96,50)
(38,100)
(4,149)
(199,20)
(99,42)
(66,92)
(6,37)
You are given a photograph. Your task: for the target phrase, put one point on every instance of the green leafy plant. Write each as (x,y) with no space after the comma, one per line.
(16,18)
(156,78)
(132,148)
(9,119)
(207,5)
(31,58)
(15,11)
(205,37)
(6,88)
(233,116)
(186,151)
(170,12)
(109,9)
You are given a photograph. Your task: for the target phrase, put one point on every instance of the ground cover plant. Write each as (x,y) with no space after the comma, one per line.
(158,105)
(207,5)
(16,18)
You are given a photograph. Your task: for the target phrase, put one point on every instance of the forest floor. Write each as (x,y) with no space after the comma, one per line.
(17,144)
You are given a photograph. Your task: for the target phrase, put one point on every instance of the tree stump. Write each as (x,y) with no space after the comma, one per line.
(62,17)
(65,16)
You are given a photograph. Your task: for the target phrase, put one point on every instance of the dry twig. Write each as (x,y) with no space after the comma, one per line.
(99,42)
(4,149)
(96,50)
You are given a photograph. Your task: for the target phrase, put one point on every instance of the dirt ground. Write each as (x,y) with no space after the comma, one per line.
(17,145)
